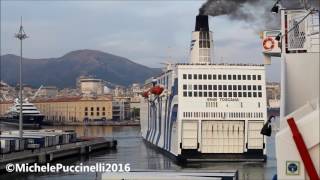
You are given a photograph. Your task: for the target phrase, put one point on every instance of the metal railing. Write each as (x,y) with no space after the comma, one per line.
(303,31)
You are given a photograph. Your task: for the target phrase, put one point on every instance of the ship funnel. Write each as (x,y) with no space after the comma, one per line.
(201,43)
(202,23)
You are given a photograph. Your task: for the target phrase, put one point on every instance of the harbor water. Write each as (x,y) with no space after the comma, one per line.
(132,149)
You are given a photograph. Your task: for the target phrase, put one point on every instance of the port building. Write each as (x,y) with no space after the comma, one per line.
(71,109)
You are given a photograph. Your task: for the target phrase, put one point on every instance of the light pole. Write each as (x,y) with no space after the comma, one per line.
(21,35)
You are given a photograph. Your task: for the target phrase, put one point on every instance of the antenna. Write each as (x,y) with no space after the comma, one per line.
(21,35)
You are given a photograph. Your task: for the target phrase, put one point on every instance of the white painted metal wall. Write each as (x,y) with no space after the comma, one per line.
(255,139)
(189,134)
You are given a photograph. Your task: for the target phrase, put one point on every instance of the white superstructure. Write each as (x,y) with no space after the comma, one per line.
(206,111)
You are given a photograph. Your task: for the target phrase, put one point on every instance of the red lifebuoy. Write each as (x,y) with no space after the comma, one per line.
(268,43)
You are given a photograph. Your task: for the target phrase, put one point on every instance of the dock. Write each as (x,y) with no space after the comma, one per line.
(48,154)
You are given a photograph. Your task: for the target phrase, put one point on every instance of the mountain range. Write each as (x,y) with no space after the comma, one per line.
(63,71)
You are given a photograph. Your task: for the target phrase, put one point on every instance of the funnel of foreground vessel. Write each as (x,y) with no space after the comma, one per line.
(201,42)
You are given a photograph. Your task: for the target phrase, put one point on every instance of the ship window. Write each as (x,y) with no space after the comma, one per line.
(200,76)
(254,94)
(219,77)
(184,86)
(259,94)
(209,76)
(204,76)
(195,94)
(225,94)
(224,77)
(259,87)
(189,76)
(234,94)
(254,87)
(244,77)
(239,94)
(230,94)
(205,94)
(214,87)
(244,94)
(195,76)
(229,77)
(239,77)
(244,87)
(259,77)
(184,76)
(190,94)
(220,87)
(234,77)
(249,94)
(254,77)
(208,44)
(224,87)
(210,87)
(249,87)
(210,94)
(220,94)
(249,77)
(214,76)
(200,87)
(229,87)
(239,87)
(214,94)
(200,94)
(205,87)
(234,87)
(195,87)
(185,93)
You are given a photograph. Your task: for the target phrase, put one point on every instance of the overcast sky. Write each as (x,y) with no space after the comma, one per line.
(142,31)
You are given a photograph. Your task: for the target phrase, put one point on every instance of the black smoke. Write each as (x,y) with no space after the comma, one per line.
(255,12)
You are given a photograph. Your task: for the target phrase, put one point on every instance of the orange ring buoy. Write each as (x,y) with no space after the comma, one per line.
(266,45)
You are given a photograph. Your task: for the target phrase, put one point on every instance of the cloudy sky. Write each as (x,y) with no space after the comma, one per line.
(147,32)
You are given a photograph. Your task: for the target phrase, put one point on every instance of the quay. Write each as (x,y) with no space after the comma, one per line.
(94,123)
(49,154)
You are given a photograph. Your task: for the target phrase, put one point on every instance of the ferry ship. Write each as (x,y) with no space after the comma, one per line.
(31,115)
(298,44)
(201,111)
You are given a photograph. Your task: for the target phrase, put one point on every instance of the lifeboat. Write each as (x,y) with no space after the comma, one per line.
(156,90)
(145,94)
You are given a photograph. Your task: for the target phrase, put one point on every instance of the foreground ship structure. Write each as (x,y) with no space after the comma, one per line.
(201,111)
(298,141)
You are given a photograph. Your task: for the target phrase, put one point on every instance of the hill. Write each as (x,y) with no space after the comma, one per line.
(63,71)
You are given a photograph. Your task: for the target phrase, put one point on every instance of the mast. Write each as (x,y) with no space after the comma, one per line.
(21,35)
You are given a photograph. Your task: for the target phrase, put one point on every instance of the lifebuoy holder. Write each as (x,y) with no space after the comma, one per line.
(268,43)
